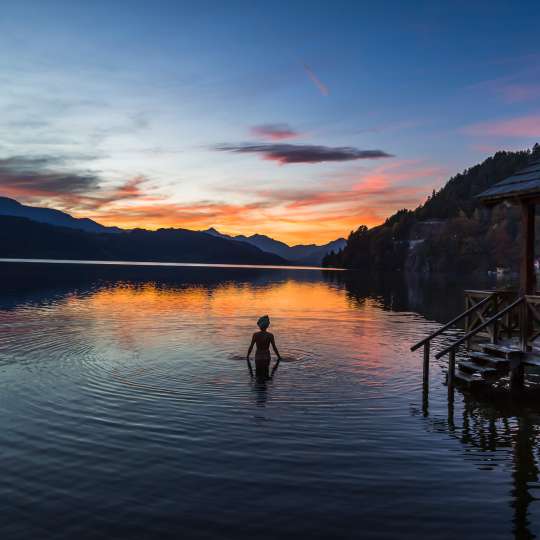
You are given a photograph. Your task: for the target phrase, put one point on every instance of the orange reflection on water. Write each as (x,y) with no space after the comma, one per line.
(308,316)
(316,320)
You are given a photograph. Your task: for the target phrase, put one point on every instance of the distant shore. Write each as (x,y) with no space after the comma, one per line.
(153,263)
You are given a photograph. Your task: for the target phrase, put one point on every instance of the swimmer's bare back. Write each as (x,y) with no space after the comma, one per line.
(262,340)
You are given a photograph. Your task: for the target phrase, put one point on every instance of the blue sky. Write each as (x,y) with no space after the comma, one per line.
(301,120)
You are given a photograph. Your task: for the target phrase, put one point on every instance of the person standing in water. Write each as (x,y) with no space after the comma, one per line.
(263,340)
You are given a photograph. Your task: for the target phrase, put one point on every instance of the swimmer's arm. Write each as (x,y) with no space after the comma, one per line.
(248,353)
(273,342)
(251,346)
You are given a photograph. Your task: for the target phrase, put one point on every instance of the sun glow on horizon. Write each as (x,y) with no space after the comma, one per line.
(327,210)
(290,234)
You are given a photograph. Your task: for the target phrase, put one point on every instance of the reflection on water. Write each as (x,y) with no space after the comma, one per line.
(129,411)
(495,436)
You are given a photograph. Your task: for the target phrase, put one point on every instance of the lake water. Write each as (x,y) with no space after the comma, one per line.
(128,411)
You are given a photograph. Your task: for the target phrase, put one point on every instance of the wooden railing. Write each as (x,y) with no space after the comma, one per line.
(494,320)
(467,313)
(473,308)
(493,315)
(507,326)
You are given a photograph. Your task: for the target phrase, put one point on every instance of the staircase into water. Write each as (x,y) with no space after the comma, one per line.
(500,337)
(486,366)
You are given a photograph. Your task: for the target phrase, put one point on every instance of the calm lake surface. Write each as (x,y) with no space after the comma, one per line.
(128,411)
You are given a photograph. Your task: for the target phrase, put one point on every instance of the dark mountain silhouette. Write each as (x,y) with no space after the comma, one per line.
(299,254)
(452,232)
(24,238)
(11,207)
(310,254)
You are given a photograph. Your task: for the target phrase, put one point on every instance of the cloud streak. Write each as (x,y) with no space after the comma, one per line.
(286,154)
(274,132)
(522,126)
(323,89)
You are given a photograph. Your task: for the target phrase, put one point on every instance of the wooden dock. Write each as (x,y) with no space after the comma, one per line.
(500,342)
(500,328)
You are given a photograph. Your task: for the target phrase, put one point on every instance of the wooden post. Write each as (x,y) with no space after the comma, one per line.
(527,248)
(517,374)
(495,334)
(451,424)
(426,362)
(425,380)
(467,320)
(524,326)
(527,276)
(451,369)
(425,399)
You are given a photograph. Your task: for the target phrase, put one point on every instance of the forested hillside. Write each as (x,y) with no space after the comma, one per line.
(451,231)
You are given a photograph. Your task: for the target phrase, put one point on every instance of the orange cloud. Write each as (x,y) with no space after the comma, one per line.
(163,214)
(294,216)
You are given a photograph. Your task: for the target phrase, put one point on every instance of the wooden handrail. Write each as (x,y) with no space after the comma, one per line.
(481,327)
(453,321)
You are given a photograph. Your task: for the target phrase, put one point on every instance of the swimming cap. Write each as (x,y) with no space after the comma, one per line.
(264,322)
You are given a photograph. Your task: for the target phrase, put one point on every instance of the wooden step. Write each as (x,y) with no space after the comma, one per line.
(468,379)
(473,367)
(488,360)
(502,351)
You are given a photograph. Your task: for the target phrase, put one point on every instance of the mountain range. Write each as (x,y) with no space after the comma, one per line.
(11,207)
(303,254)
(34,232)
(27,239)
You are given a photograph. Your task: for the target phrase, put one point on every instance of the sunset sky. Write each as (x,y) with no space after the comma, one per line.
(300,120)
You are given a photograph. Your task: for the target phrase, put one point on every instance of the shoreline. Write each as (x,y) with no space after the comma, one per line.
(166,264)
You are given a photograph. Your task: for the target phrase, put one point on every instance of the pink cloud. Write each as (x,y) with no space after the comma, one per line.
(522,126)
(274,132)
(487,148)
(378,192)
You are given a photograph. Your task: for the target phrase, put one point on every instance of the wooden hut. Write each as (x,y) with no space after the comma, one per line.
(522,188)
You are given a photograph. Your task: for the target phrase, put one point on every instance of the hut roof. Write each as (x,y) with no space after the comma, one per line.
(523,184)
